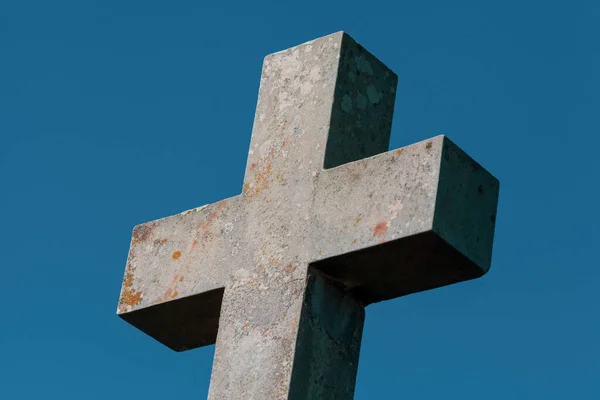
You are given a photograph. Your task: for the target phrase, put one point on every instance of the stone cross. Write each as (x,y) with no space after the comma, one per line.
(328,222)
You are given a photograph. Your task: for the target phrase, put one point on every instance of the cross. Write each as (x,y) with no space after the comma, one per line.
(327,223)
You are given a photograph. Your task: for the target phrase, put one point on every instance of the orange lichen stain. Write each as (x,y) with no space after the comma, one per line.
(399,151)
(245,324)
(428,145)
(142,232)
(246,187)
(176,255)
(357,220)
(129,296)
(290,268)
(320,252)
(262,174)
(272,260)
(163,240)
(380,229)
(175,293)
(251,281)
(194,244)
(181,279)
(354,241)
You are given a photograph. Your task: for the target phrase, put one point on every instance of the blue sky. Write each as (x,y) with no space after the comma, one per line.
(116,113)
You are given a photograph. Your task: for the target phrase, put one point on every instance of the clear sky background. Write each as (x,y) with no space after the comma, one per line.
(114,113)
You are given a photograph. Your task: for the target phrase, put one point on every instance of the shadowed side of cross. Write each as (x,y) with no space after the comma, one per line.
(328,222)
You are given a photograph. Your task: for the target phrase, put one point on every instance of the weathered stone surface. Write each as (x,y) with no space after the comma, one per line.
(327,222)
(184,257)
(404,221)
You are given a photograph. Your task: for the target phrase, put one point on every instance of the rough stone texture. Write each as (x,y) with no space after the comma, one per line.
(327,223)
(184,257)
(430,194)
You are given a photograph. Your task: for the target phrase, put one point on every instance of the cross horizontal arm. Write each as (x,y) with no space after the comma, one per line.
(407,220)
(184,259)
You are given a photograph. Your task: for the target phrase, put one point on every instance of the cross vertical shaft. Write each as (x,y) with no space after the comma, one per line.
(326,102)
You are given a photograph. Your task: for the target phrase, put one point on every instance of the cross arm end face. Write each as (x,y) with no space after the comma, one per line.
(176,272)
(405,221)
(466,205)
